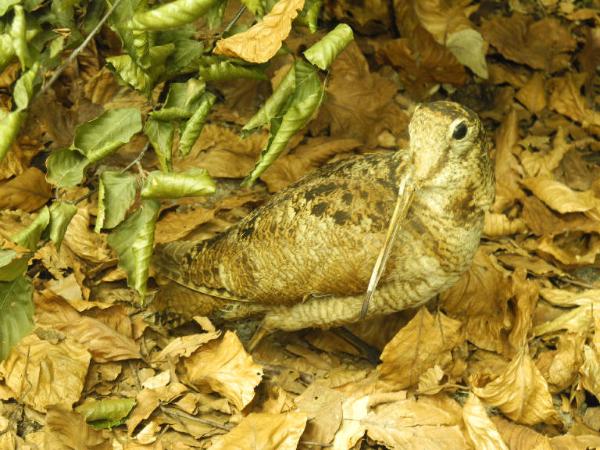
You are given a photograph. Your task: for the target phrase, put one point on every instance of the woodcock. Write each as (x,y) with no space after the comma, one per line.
(305,257)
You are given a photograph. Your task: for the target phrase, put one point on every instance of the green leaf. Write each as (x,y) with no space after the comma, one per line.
(66,167)
(191,183)
(62,13)
(226,70)
(183,99)
(132,240)
(214,16)
(106,413)
(324,52)
(16,312)
(160,135)
(107,132)
(276,103)
(30,236)
(310,14)
(18,33)
(194,126)
(5,5)
(185,58)
(306,100)
(12,265)
(116,194)
(171,15)
(130,72)
(7,50)
(10,125)
(61,214)
(23,91)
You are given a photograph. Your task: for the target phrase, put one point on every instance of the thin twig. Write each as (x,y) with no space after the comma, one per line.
(137,159)
(79,49)
(234,20)
(173,412)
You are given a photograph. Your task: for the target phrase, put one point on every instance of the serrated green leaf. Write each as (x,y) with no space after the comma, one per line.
(116,194)
(10,125)
(310,14)
(23,91)
(307,98)
(16,312)
(160,135)
(66,167)
(132,240)
(131,73)
(191,183)
(18,32)
(107,132)
(171,15)
(30,236)
(106,413)
(5,5)
(61,214)
(276,103)
(226,70)
(194,126)
(324,52)
(12,265)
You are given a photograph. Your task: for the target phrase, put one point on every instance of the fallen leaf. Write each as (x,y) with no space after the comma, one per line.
(42,374)
(226,368)
(560,367)
(27,191)
(260,42)
(533,93)
(480,429)
(425,341)
(323,407)
(520,392)
(566,98)
(519,437)
(264,431)
(66,429)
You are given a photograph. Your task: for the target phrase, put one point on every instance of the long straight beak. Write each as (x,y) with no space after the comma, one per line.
(404,199)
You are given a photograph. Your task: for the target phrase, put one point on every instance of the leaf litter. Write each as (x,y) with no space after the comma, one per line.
(508,358)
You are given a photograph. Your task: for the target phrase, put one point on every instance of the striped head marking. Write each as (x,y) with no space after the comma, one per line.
(444,134)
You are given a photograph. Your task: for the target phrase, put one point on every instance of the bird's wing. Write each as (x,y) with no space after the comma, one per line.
(320,236)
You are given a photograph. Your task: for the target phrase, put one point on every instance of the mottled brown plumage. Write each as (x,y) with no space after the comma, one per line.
(306,256)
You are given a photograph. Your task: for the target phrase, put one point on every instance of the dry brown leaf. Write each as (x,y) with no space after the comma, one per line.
(323,407)
(480,300)
(571,442)
(424,342)
(103,342)
(226,368)
(42,374)
(148,400)
(68,430)
(264,431)
(431,422)
(520,392)
(533,93)
(351,83)
(184,346)
(82,241)
(497,225)
(590,370)
(517,39)
(430,381)
(578,320)
(480,429)
(564,298)
(355,410)
(27,191)
(260,42)
(519,437)
(560,367)
(563,199)
(572,249)
(566,98)
(176,225)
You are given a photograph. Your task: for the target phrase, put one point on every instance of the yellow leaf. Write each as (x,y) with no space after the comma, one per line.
(226,368)
(264,431)
(520,392)
(480,429)
(260,43)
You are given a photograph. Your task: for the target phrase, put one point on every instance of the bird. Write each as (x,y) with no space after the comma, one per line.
(304,258)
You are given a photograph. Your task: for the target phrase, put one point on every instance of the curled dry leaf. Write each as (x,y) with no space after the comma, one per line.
(261,41)
(566,98)
(430,422)
(520,437)
(264,431)
(480,429)
(184,346)
(496,225)
(27,191)
(148,400)
(103,342)
(590,370)
(226,368)
(578,320)
(560,367)
(520,392)
(424,342)
(507,168)
(517,39)
(84,242)
(41,373)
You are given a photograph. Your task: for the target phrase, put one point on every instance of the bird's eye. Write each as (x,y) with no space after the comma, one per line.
(460,131)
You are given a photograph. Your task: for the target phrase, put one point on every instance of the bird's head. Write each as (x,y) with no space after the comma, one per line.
(447,142)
